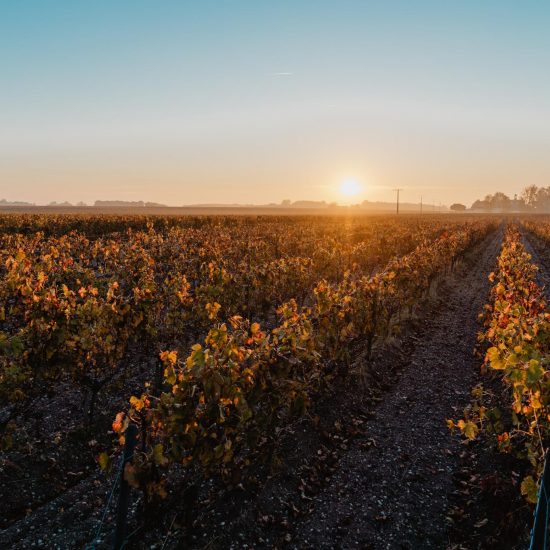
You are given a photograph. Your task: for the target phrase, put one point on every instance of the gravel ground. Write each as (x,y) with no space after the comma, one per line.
(391,488)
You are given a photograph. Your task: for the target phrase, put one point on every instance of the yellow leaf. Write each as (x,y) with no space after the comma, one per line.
(137,403)
(103,460)
(169,357)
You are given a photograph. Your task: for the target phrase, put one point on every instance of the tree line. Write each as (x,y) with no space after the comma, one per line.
(532,198)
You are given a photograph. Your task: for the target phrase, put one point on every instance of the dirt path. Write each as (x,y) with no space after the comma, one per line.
(391,488)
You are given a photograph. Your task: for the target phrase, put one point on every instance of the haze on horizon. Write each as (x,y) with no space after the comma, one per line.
(198,102)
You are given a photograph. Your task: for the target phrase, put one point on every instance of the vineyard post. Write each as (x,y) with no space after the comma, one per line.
(540,525)
(124,496)
(374,313)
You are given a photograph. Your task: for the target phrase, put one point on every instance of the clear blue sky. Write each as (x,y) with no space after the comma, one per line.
(185,102)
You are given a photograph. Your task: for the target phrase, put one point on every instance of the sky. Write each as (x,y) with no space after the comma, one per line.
(254,102)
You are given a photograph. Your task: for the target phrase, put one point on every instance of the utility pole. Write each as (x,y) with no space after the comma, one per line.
(397,208)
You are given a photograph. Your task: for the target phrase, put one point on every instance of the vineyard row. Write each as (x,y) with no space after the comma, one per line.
(224,403)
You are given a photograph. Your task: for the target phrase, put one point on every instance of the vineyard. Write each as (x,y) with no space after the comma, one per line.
(293,382)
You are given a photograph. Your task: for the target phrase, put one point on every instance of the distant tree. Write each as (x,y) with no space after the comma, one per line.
(529,195)
(481,205)
(286,202)
(532,197)
(498,201)
(543,199)
(457,207)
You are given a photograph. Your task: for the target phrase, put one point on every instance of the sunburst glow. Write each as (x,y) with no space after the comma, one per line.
(350,188)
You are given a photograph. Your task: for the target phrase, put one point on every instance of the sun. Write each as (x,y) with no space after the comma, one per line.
(350,188)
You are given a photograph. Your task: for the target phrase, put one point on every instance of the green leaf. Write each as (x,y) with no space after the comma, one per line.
(534,372)
(158,455)
(529,489)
